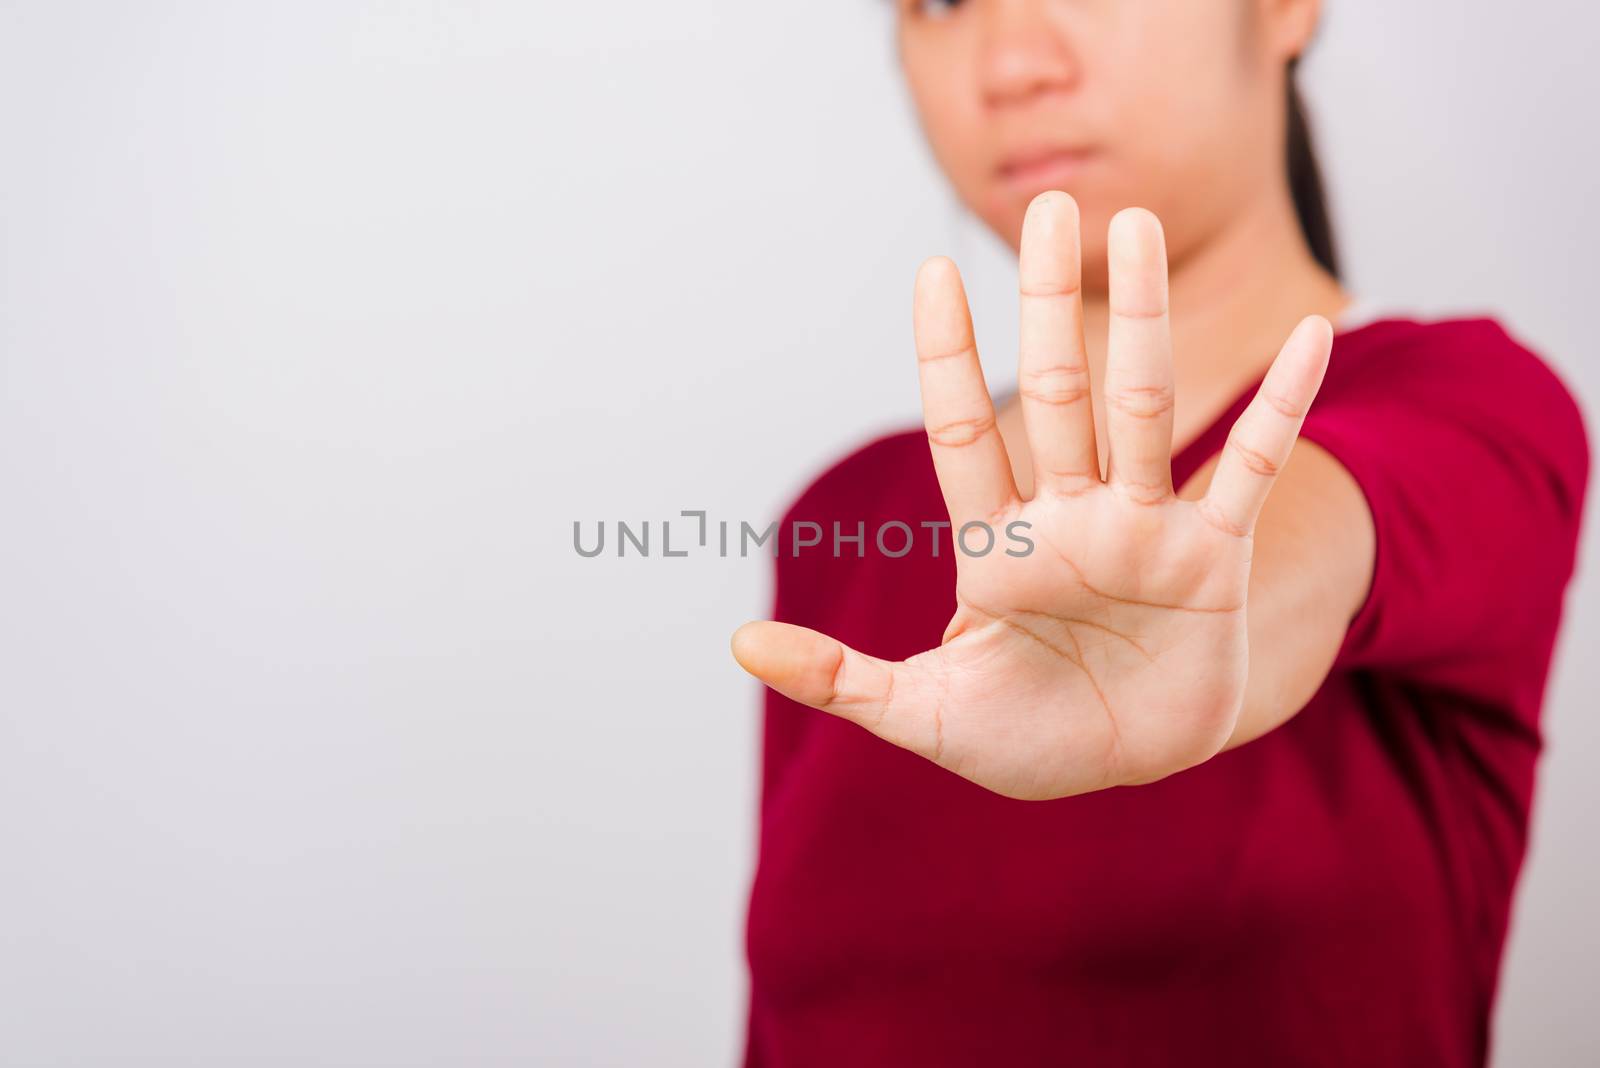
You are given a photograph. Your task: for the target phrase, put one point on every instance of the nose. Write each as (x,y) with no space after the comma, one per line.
(1024,53)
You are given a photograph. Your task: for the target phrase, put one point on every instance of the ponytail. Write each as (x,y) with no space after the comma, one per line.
(1305,183)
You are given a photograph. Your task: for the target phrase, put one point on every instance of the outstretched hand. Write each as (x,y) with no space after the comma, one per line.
(1116,652)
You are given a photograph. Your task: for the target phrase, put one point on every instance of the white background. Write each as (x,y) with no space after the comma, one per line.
(321,322)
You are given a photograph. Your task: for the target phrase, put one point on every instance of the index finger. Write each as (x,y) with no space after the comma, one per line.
(968,454)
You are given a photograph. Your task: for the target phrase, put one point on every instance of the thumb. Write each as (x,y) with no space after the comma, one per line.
(817,670)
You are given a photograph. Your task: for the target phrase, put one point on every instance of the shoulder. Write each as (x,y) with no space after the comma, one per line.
(1468,360)
(1473,458)
(1469,375)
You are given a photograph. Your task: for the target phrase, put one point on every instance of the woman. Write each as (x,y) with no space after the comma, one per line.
(1324,701)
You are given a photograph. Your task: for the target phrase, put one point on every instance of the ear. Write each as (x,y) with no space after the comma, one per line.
(1288,25)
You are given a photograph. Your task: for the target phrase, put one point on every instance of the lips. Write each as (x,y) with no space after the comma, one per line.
(1036,169)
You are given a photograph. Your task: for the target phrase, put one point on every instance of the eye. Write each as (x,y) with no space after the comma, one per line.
(935,9)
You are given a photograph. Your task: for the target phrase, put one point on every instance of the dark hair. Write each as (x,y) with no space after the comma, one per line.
(1305,183)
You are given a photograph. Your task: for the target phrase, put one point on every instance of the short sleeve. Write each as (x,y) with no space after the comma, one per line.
(1474,459)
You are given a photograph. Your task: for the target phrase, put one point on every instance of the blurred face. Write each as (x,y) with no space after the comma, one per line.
(1172,105)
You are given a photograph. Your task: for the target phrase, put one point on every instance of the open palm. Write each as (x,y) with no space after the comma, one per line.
(1116,650)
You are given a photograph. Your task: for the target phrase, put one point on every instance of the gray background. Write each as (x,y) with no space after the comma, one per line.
(319,325)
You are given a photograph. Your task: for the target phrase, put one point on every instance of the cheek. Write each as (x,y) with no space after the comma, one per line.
(1177,135)
(950,114)
(1171,72)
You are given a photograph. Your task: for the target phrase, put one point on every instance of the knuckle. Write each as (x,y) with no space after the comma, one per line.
(960,352)
(1255,460)
(1139,312)
(1050,289)
(961,433)
(836,682)
(1283,407)
(1214,517)
(1065,485)
(1141,402)
(1141,493)
(1060,385)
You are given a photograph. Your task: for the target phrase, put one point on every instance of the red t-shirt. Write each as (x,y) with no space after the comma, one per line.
(1335,892)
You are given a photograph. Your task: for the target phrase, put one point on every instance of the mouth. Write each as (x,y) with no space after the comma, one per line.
(1036,170)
